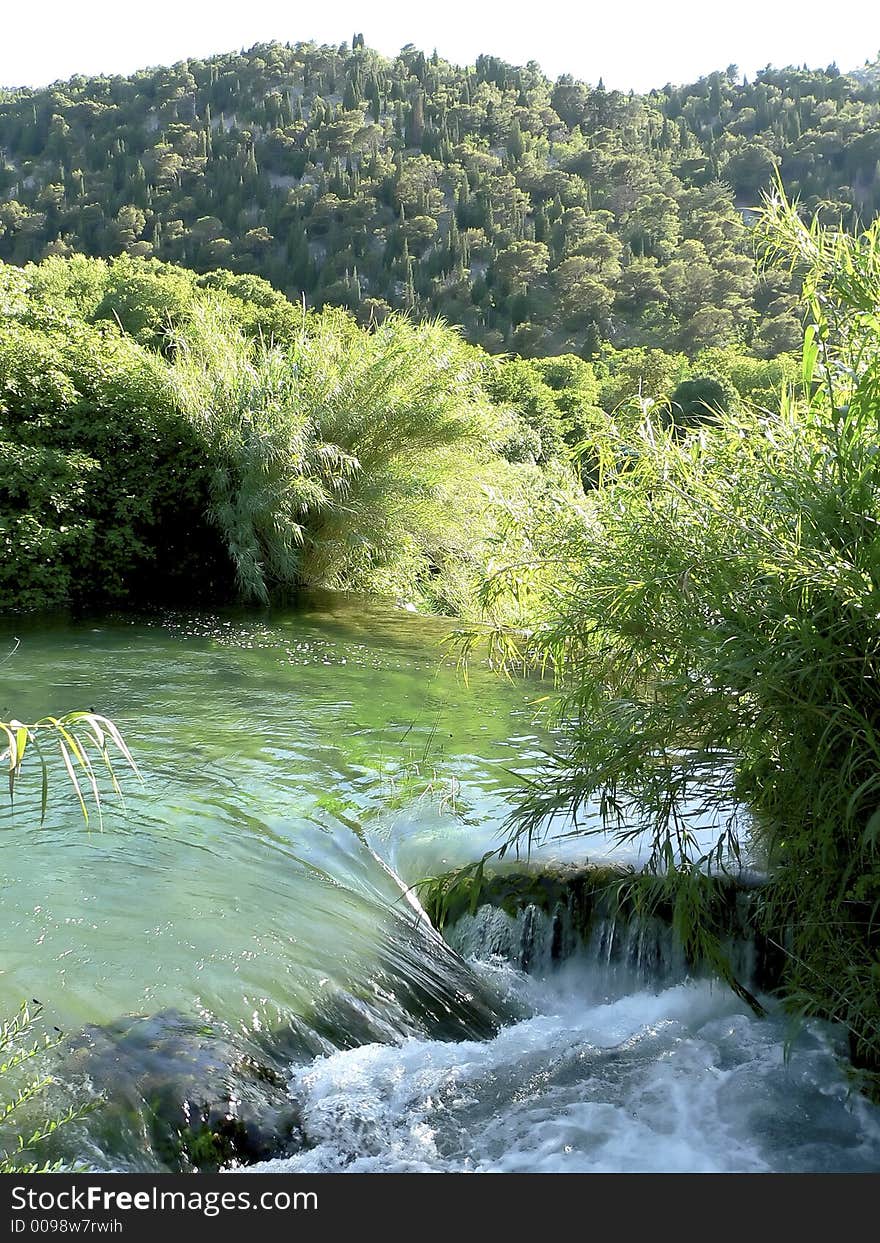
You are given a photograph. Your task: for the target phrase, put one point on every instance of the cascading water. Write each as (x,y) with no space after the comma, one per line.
(680,1080)
(242,973)
(622,1064)
(578,919)
(638,953)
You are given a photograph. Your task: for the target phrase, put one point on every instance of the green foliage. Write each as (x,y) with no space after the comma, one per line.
(519,385)
(169,435)
(103,482)
(163,434)
(146,300)
(43,530)
(18,1049)
(696,400)
(648,375)
(540,217)
(84,740)
(753,381)
(712,619)
(244,403)
(405,405)
(558,398)
(344,459)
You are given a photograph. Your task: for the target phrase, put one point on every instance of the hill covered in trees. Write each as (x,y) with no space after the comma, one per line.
(542,217)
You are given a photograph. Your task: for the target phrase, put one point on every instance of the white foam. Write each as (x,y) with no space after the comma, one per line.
(676,1080)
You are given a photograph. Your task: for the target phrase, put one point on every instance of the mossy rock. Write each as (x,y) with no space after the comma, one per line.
(196,1100)
(577,898)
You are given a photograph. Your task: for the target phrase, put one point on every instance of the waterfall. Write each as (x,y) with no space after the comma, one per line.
(622,950)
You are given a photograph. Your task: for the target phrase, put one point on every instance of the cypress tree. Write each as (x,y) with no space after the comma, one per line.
(515,145)
(351,97)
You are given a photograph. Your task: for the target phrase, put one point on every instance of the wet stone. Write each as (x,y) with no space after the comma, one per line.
(196,1100)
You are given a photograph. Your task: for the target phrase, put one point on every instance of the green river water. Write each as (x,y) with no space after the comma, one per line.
(301,769)
(237,879)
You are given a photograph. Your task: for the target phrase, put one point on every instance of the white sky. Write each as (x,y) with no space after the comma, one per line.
(630,43)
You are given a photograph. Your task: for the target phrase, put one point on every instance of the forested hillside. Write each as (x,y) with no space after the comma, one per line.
(543,218)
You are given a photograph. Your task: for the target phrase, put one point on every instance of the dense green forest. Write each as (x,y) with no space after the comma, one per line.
(542,217)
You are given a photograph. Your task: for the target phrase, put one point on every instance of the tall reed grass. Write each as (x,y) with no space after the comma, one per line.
(714,627)
(337,458)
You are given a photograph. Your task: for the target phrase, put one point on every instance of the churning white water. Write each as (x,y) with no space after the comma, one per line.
(680,1079)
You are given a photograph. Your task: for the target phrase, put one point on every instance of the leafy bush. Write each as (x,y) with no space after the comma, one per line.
(519,385)
(104,481)
(345,459)
(712,617)
(262,450)
(698,399)
(43,530)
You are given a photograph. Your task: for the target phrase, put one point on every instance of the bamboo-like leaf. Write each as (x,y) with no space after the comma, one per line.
(74,732)
(872,828)
(10,754)
(810,357)
(44,788)
(73,777)
(22,734)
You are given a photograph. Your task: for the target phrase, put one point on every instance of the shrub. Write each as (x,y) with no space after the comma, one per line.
(698,399)
(713,620)
(105,481)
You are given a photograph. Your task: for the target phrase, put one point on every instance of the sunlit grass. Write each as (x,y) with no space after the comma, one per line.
(712,618)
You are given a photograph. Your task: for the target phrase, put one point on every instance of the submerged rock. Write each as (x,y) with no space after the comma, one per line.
(190,1097)
(196,1101)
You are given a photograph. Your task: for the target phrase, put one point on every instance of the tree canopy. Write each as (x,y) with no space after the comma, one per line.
(542,217)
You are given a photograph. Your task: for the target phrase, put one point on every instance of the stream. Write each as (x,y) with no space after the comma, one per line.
(241,937)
